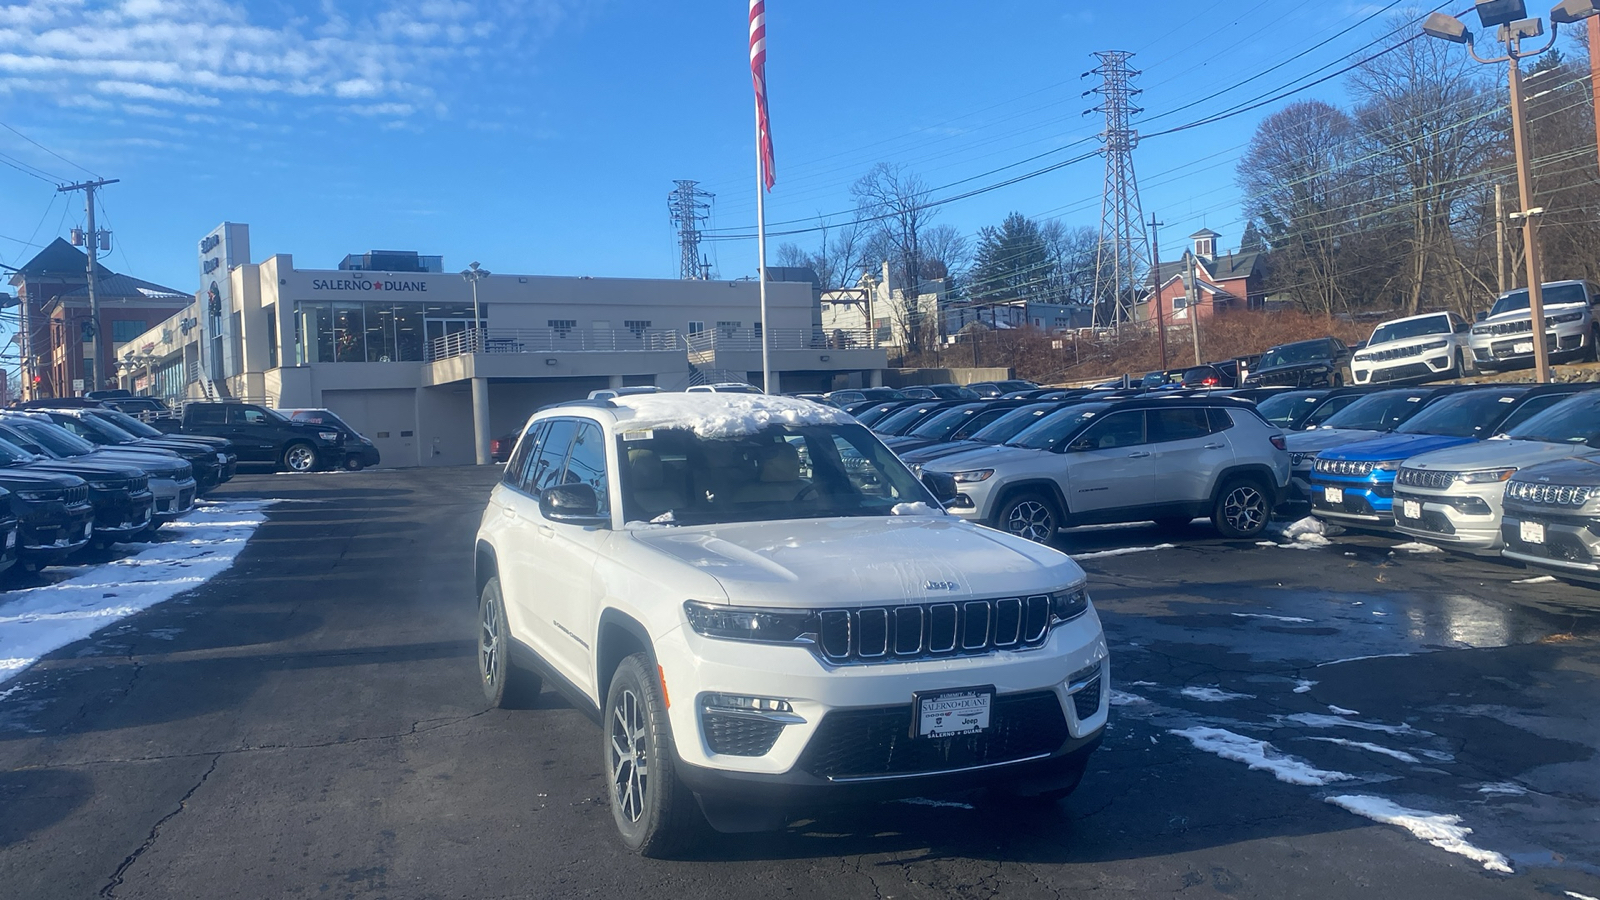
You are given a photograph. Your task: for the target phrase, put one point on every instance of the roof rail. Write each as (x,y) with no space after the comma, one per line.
(568,404)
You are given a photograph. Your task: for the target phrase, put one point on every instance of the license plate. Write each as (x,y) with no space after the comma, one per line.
(1522,347)
(1411,509)
(949,713)
(1532,532)
(1333,495)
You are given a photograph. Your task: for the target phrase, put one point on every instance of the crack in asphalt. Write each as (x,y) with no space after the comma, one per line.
(110,890)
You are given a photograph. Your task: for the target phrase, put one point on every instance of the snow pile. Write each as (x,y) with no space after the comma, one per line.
(37,621)
(1122,698)
(1122,552)
(1292,619)
(1542,579)
(1305,534)
(1259,755)
(916,509)
(1441,830)
(1417,547)
(1370,748)
(712,415)
(1213,695)
(1304,686)
(1313,720)
(1503,789)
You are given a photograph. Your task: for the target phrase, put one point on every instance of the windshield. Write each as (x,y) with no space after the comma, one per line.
(55,440)
(782,472)
(1575,420)
(1013,423)
(873,413)
(1467,415)
(1410,328)
(942,424)
(97,431)
(12,455)
(1329,408)
(1294,354)
(1554,295)
(1289,409)
(1052,430)
(901,421)
(1378,412)
(127,423)
(322,417)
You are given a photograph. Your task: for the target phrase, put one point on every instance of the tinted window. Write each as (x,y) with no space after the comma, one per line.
(57,440)
(547,467)
(1178,425)
(1558,295)
(586,463)
(1124,429)
(1530,408)
(977,423)
(208,415)
(1050,431)
(901,421)
(1468,414)
(1573,421)
(1378,412)
(1221,419)
(527,448)
(1286,409)
(1329,408)
(938,426)
(1013,423)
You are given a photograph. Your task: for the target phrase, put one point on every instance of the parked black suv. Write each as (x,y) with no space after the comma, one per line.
(119,491)
(209,465)
(54,516)
(359,452)
(8,528)
(171,479)
(1316,363)
(262,435)
(139,428)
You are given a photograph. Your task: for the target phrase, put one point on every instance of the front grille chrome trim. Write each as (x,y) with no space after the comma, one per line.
(913,631)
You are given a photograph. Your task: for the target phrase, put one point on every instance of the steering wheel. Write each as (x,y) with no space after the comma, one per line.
(808,490)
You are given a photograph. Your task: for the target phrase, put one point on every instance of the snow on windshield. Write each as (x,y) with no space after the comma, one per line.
(712,416)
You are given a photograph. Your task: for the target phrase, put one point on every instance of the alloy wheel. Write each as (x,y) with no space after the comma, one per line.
(489,642)
(630,756)
(1032,520)
(301,459)
(1245,509)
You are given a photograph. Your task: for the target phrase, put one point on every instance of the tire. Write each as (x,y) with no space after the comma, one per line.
(1030,515)
(1242,509)
(300,456)
(656,816)
(505,685)
(1591,353)
(353,464)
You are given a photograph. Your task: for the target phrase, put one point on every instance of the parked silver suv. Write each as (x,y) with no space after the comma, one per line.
(1504,338)
(1165,459)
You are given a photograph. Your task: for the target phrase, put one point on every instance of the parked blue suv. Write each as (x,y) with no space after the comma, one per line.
(1354,484)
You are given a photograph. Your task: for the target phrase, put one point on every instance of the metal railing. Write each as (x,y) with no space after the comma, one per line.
(780,339)
(551,340)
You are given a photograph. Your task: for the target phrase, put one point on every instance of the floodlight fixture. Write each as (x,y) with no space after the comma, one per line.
(1500,12)
(1569,12)
(1446,28)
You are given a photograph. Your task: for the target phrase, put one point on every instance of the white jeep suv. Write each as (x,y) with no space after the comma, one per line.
(1503,338)
(767,611)
(1418,348)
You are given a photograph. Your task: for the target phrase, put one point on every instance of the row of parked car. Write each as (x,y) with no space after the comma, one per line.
(1496,469)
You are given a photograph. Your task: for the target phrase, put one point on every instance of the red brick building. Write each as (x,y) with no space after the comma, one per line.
(53,290)
(1224,282)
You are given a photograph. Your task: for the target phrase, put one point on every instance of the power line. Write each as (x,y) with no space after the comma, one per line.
(47,149)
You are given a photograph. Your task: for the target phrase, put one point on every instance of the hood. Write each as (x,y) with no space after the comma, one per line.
(1290,373)
(900,559)
(906,444)
(157,463)
(1397,347)
(1577,471)
(1495,455)
(940,451)
(88,470)
(984,457)
(1522,315)
(1323,438)
(1395,446)
(24,479)
(196,440)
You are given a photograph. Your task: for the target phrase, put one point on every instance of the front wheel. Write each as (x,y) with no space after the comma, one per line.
(1029,515)
(353,464)
(300,457)
(1242,508)
(1592,352)
(655,814)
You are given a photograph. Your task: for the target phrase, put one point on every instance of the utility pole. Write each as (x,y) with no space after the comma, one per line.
(1500,236)
(1155,276)
(1529,215)
(92,377)
(1193,290)
(1594,69)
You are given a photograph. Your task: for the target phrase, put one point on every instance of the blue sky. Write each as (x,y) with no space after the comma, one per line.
(542,136)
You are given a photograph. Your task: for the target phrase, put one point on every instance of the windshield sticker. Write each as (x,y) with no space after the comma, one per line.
(638,435)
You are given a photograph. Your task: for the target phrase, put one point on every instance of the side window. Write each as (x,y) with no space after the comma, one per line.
(527,448)
(1530,409)
(73,425)
(586,463)
(1178,424)
(1124,429)
(1219,419)
(545,469)
(208,415)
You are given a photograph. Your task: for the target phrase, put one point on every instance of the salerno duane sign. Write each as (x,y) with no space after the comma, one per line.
(367,284)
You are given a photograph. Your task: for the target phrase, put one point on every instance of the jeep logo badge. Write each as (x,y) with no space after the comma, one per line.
(941,586)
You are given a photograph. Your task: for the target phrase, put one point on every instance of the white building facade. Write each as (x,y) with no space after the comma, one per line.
(387,342)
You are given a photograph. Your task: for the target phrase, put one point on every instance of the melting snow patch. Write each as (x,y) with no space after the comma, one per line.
(713,416)
(916,509)
(1303,686)
(942,804)
(1347,659)
(1503,788)
(1259,755)
(1312,720)
(1122,698)
(1542,579)
(1417,547)
(1341,711)
(40,620)
(1577,896)
(1213,695)
(1294,619)
(1123,552)
(1441,830)
(1370,748)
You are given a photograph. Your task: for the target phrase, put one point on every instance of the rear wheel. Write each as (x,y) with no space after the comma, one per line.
(300,457)
(505,685)
(655,814)
(1242,508)
(1030,515)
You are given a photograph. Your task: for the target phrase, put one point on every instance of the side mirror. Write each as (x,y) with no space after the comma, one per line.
(573,504)
(942,485)
(1079,447)
(1482,314)
(1464,327)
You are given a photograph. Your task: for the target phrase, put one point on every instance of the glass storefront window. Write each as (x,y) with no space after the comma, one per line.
(349,332)
(408,330)
(373,332)
(271,311)
(380,334)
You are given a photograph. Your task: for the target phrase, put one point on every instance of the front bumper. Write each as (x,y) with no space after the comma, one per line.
(1571,546)
(366,454)
(1501,351)
(1364,503)
(1432,365)
(173,498)
(1466,520)
(50,531)
(119,513)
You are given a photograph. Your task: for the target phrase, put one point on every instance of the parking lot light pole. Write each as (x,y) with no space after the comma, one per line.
(474,274)
(480,386)
(1508,17)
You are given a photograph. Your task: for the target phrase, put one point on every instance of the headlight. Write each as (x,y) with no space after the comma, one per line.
(1487,476)
(329,436)
(106,485)
(1435,345)
(1564,318)
(973,477)
(746,623)
(1480,329)
(36,496)
(1388,465)
(1362,357)
(1068,604)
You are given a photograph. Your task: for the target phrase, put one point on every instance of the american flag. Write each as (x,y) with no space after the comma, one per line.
(758,75)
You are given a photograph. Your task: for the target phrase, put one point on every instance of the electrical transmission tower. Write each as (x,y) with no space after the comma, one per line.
(689,207)
(1123,257)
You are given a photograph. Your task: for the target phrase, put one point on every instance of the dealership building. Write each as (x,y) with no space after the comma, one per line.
(386,340)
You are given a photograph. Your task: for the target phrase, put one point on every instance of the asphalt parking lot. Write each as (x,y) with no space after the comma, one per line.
(308,724)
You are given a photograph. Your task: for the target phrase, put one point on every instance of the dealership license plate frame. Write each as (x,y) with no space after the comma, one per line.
(1531,532)
(974,716)
(1522,347)
(1334,496)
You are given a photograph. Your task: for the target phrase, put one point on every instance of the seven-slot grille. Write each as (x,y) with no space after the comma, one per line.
(79,494)
(139,484)
(886,634)
(1343,467)
(1403,352)
(1508,327)
(1424,478)
(1552,494)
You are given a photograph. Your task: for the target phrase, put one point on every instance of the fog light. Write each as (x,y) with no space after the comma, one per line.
(748,704)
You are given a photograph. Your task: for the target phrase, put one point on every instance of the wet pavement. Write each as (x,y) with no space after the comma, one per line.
(1347,720)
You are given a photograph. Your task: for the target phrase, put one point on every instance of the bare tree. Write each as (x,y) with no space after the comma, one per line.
(1073,250)
(892,203)
(838,260)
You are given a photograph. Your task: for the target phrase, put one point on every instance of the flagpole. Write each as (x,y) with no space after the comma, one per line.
(761,252)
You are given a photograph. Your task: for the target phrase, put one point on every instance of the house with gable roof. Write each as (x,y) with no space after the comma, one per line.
(1223,282)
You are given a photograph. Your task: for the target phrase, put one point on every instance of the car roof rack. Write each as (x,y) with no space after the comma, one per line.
(569,404)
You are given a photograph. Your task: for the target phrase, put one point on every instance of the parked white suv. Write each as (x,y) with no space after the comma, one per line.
(1504,338)
(1417,348)
(767,611)
(1170,460)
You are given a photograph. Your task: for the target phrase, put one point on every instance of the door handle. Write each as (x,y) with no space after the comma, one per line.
(1214,446)
(1142,454)
(508,512)
(546,531)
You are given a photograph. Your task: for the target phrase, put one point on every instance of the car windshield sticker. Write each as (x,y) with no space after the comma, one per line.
(638,435)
